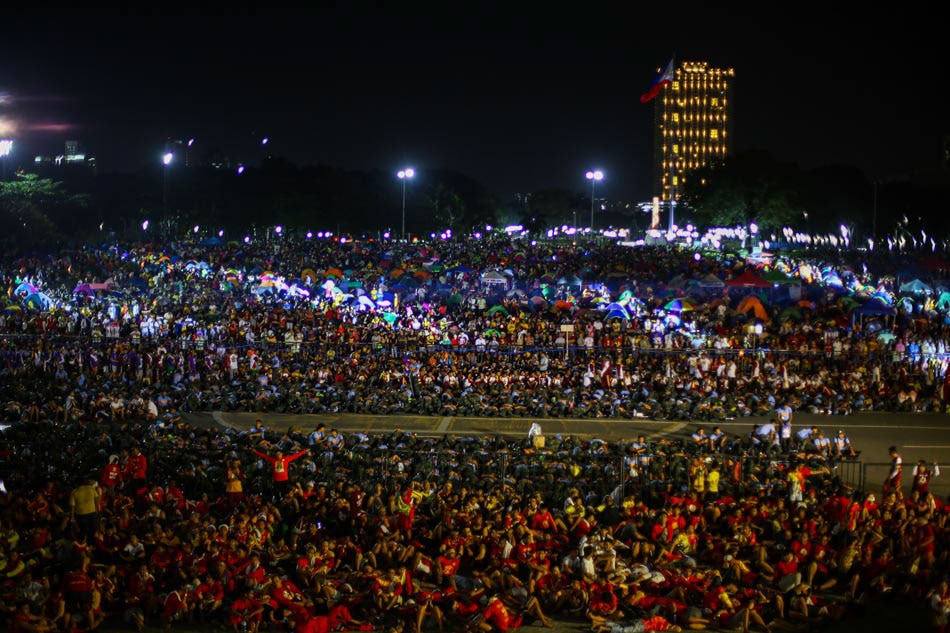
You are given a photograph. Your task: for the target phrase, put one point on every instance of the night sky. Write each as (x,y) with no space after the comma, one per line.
(518,99)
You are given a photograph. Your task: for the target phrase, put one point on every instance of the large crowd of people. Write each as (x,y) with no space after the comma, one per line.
(117,511)
(135,524)
(495,329)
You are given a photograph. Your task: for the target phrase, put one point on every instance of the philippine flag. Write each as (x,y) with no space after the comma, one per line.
(665,77)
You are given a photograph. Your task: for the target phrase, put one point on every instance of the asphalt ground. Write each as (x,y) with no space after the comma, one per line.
(917,435)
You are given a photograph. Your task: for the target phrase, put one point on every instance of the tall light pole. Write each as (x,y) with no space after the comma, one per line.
(167,158)
(6,146)
(593,177)
(404,175)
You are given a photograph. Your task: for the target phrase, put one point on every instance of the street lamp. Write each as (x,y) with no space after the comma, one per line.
(593,177)
(404,175)
(6,146)
(167,158)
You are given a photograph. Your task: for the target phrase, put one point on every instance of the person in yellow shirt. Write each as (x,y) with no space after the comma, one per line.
(84,504)
(712,482)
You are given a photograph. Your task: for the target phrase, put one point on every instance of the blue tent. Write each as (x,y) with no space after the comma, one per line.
(39,301)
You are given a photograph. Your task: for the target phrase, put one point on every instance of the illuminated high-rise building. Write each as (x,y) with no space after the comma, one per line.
(693,125)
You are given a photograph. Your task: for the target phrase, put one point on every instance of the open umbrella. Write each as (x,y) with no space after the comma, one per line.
(680,305)
(492,332)
(495,309)
(26,287)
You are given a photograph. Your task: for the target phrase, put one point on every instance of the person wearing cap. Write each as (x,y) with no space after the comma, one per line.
(842,446)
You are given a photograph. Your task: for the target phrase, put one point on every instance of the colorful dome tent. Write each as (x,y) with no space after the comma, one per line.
(753,304)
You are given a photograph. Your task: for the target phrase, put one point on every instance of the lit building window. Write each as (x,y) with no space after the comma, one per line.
(713,133)
(676,117)
(676,149)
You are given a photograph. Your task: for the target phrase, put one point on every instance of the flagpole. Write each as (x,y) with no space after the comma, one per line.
(672,162)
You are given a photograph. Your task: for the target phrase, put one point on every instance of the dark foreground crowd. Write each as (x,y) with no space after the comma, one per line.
(153,521)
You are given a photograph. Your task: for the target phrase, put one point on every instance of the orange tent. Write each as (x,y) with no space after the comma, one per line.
(753,304)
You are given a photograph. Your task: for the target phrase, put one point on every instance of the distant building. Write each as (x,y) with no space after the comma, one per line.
(692,125)
(75,157)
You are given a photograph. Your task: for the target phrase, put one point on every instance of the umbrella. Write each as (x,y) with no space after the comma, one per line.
(563,305)
(333,272)
(616,314)
(680,305)
(495,309)
(26,287)
(308,275)
(492,332)
(886,337)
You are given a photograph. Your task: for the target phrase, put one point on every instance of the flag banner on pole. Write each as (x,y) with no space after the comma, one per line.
(665,77)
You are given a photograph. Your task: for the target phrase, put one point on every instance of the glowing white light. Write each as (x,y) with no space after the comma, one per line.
(6,146)
(145,225)
(408,172)
(221,233)
(265,140)
(240,169)
(594,175)
(278,229)
(309,235)
(247,239)
(191,142)
(167,158)
(753,228)
(196,228)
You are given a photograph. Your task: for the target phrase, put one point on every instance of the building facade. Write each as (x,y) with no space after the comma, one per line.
(692,125)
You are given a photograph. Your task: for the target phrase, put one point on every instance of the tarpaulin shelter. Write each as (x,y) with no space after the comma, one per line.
(748,279)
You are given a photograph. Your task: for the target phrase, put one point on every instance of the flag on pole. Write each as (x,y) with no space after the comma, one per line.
(665,77)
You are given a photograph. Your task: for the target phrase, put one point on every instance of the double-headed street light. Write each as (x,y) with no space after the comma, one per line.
(404,175)
(593,177)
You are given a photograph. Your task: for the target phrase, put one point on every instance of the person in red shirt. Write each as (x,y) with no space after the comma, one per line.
(175,608)
(280,470)
(110,479)
(138,468)
(246,609)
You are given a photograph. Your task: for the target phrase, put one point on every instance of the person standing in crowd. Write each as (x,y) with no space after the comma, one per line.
(922,476)
(893,482)
(138,469)
(84,505)
(783,413)
(280,470)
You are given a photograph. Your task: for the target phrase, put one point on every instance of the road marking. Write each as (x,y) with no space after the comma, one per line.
(219,419)
(444,424)
(676,428)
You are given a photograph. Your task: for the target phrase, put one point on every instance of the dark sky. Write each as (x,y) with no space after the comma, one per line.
(517,97)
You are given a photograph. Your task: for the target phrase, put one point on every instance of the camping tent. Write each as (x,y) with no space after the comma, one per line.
(754,305)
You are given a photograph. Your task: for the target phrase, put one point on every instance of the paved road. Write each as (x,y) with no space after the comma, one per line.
(918,435)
